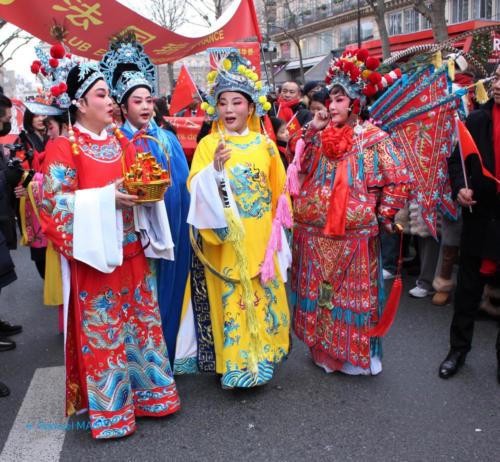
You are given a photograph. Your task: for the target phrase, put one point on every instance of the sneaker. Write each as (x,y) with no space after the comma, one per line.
(387,274)
(418,292)
(8,329)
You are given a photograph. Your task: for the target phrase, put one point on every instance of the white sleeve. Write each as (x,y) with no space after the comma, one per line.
(98,229)
(151,222)
(206,210)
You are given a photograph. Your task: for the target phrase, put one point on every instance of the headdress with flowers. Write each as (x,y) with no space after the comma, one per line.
(126,66)
(356,72)
(233,73)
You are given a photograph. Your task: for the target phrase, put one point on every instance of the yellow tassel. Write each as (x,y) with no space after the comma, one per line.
(437,60)
(481,93)
(22,213)
(451,68)
(236,235)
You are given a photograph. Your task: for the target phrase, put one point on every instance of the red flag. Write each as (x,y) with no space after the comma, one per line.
(184,90)
(468,147)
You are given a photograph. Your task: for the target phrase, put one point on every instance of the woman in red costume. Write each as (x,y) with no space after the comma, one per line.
(117,365)
(355,182)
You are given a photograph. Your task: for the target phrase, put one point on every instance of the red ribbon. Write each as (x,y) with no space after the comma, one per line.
(337,142)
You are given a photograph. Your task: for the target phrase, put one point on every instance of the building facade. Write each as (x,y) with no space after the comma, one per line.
(325,26)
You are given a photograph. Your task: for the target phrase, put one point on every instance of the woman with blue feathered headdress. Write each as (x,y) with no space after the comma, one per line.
(132,78)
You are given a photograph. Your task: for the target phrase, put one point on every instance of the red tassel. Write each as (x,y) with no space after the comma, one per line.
(390,310)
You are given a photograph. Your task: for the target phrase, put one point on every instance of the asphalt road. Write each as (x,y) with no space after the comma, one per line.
(405,414)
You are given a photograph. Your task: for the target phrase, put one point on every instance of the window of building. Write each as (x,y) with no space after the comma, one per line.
(366,30)
(481,9)
(348,34)
(325,42)
(459,10)
(411,21)
(395,23)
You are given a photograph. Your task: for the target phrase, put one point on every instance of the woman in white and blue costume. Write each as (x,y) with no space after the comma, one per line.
(132,78)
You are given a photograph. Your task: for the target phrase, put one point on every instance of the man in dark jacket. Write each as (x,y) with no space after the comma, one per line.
(9,177)
(480,243)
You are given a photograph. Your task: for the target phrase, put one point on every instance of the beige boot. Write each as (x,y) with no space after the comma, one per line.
(444,283)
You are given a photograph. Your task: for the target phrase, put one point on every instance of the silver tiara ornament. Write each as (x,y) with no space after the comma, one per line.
(127,81)
(131,52)
(89,73)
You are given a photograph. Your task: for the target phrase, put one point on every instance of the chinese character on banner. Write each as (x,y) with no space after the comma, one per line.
(170,48)
(141,35)
(82,15)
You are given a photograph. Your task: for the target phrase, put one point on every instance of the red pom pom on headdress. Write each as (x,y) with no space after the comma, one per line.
(55,91)
(369,90)
(53,62)
(57,51)
(374,78)
(362,54)
(372,63)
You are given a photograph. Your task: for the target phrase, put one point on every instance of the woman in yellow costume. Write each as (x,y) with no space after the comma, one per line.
(237,182)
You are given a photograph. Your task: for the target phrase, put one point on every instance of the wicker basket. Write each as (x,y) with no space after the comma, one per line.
(152,191)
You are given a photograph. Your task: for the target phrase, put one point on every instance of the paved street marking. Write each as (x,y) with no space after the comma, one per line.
(39,429)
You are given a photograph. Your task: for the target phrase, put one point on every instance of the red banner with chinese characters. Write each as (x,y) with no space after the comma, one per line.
(187,130)
(90,24)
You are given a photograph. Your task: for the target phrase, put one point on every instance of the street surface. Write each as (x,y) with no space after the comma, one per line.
(407,413)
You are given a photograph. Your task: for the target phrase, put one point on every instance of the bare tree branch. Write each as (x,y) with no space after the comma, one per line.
(26,40)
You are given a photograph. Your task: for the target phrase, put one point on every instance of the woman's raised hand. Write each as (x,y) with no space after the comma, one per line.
(222,155)
(321,119)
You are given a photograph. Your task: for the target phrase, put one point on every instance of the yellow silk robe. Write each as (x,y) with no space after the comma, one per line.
(257,179)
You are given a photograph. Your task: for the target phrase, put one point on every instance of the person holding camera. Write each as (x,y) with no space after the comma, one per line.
(9,177)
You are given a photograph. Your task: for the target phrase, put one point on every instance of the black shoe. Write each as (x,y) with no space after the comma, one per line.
(9,329)
(452,363)
(7,344)
(4,390)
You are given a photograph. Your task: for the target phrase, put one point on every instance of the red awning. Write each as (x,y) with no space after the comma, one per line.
(404,41)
